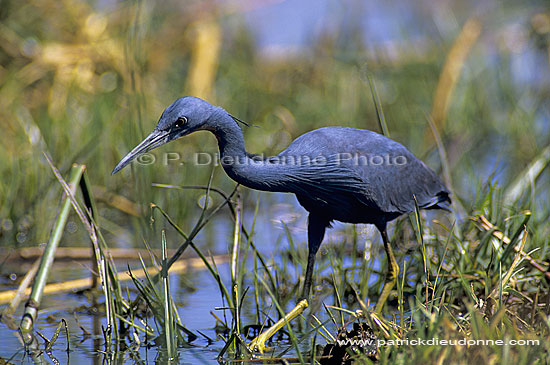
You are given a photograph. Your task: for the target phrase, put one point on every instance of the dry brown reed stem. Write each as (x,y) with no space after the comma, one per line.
(78,284)
(451,71)
(485,225)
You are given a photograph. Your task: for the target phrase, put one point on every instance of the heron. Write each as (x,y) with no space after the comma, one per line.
(337,174)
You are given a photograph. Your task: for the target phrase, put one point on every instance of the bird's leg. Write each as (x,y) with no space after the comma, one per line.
(309,273)
(315,232)
(391,277)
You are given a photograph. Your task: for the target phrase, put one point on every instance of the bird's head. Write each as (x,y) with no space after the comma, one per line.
(184,116)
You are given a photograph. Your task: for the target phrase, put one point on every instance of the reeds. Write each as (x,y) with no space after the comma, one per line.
(450,288)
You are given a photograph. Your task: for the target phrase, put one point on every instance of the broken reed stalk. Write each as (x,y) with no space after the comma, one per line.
(486,225)
(31,308)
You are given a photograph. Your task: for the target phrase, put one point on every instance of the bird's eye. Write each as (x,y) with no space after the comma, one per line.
(180,122)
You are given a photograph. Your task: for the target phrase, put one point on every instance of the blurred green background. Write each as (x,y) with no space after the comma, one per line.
(85,81)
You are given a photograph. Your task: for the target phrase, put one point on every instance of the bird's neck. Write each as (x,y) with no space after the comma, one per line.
(242,167)
(229,135)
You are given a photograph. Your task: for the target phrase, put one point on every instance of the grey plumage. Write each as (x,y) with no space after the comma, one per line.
(337,173)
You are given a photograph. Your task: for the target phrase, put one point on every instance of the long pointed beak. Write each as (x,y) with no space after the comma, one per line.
(155,139)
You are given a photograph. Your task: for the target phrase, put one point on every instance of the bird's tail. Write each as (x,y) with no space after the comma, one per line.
(443,202)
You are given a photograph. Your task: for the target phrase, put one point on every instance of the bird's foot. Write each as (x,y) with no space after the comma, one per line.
(258,343)
(386,290)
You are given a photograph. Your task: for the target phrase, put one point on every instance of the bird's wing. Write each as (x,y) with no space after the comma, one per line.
(326,182)
(390,188)
(376,170)
(395,186)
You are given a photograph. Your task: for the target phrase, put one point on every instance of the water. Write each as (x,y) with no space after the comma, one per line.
(196,294)
(195,315)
